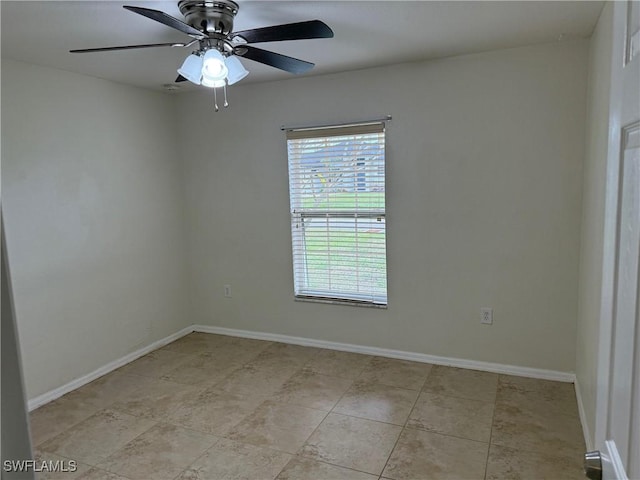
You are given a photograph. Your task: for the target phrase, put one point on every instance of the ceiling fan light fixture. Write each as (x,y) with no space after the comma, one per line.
(236,70)
(211,83)
(209,23)
(213,66)
(191,69)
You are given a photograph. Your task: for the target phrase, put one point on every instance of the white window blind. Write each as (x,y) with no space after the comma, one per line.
(337,193)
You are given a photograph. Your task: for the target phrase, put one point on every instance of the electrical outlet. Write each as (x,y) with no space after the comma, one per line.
(227,291)
(486,316)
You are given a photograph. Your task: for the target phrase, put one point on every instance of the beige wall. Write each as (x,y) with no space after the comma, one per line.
(15,441)
(590,280)
(93,206)
(484,174)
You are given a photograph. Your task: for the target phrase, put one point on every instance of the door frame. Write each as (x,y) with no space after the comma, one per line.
(613,466)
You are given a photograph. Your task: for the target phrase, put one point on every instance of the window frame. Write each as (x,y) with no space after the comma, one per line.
(302,289)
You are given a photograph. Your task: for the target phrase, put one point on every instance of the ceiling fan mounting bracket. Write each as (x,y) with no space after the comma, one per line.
(210,16)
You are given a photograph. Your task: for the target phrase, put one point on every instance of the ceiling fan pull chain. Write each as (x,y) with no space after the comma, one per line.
(224,87)
(215,99)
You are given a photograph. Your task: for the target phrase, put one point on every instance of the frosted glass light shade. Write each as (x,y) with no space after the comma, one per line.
(236,70)
(191,69)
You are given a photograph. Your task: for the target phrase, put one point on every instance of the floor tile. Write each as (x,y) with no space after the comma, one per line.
(313,390)
(462,383)
(236,350)
(459,417)
(306,469)
(547,432)
(154,364)
(397,373)
(107,389)
(508,463)
(97,437)
(421,454)
(279,426)
(548,388)
(213,406)
(201,369)
(99,474)
(258,379)
(195,343)
(55,417)
(247,343)
(379,402)
(214,411)
(160,453)
(537,396)
(338,364)
(231,460)
(351,442)
(283,354)
(70,468)
(156,400)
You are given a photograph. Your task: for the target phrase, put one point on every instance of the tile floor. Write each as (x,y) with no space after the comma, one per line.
(210,407)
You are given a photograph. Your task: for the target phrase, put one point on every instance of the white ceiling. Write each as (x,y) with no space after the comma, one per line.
(366,33)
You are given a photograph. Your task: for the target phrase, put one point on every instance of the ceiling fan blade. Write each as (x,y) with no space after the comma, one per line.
(166,19)
(290,31)
(128,47)
(277,60)
(180,79)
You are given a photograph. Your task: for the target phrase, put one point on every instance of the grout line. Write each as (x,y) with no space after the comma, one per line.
(325,417)
(157,422)
(333,465)
(434,432)
(486,463)
(64,457)
(495,407)
(353,381)
(73,425)
(404,427)
(177,477)
(271,397)
(424,384)
(366,419)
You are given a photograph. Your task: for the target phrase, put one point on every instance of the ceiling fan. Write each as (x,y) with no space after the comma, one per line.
(209,23)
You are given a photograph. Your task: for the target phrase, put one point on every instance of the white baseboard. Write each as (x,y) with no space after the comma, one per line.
(402,355)
(583,417)
(310,342)
(109,367)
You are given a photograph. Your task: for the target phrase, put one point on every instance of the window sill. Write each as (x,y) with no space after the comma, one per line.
(339,301)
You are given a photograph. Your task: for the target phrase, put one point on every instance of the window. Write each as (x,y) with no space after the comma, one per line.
(337,193)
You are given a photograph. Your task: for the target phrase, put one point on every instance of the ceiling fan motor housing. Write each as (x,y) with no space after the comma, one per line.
(210,16)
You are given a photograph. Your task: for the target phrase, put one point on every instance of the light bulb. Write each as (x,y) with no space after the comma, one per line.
(213,66)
